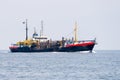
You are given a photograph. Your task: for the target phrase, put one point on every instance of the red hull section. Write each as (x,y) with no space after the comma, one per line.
(82,44)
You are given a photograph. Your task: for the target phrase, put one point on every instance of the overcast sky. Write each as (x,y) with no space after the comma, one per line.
(95,18)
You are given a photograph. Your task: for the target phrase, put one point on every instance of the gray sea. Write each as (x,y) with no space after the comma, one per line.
(100,65)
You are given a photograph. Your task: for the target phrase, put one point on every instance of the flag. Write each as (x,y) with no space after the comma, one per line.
(23,22)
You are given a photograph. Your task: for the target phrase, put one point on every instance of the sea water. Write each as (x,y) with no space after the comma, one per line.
(101,65)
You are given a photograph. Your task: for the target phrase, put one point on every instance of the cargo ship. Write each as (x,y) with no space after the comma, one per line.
(43,44)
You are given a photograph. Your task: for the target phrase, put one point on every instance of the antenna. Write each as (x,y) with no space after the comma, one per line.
(35,33)
(34,30)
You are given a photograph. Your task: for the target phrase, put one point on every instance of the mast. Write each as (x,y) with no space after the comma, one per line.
(75,32)
(41,31)
(25,22)
(26,31)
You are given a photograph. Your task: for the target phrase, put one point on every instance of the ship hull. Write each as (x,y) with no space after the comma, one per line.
(61,49)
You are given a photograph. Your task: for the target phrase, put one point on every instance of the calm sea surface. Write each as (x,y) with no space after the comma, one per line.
(102,65)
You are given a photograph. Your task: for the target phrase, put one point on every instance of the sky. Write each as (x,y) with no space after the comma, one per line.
(98,19)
